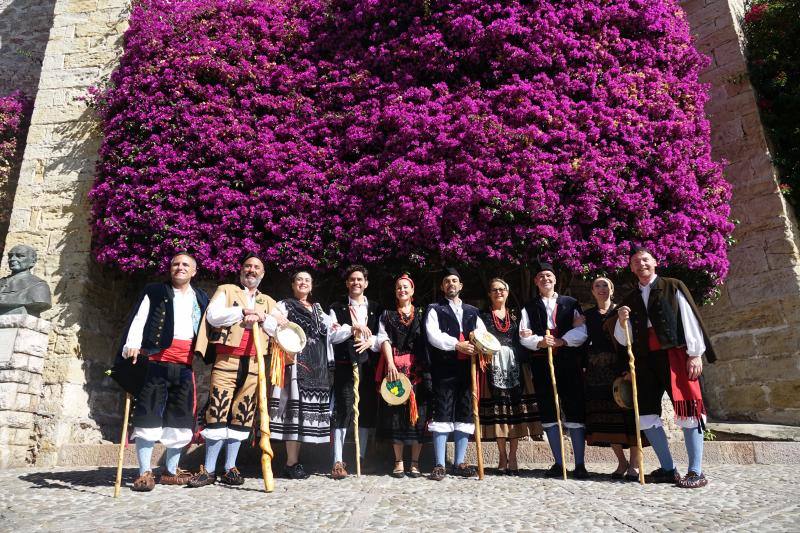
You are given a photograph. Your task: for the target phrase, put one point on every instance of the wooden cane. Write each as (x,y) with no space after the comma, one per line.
(476,415)
(122,441)
(632,367)
(266,448)
(356,399)
(558,408)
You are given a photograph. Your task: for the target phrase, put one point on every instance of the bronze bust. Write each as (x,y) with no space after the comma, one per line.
(22,292)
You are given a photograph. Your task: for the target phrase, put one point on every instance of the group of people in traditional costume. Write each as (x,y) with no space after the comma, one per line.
(358,340)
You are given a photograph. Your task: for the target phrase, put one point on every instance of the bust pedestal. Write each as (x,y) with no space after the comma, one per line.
(23,346)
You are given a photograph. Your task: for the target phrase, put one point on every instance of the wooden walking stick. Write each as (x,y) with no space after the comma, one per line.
(356,399)
(122,441)
(476,415)
(632,367)
(558,408)
(266,448)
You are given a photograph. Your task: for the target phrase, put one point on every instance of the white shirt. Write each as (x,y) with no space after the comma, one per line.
(183,327)
(441,340)
(359,314)
(695,345)
(220,316)
(574,337)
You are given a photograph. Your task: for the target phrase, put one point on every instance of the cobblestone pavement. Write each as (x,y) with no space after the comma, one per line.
(738,498)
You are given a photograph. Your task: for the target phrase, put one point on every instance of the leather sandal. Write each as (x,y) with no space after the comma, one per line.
(399,471)
(181,477)
(144,483)
(338,471)
(438,473)
(414,471)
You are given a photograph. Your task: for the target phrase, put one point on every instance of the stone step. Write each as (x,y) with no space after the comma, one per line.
(379,457)
(738,431)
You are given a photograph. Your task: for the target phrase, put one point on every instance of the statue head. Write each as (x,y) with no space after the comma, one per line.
(21,258)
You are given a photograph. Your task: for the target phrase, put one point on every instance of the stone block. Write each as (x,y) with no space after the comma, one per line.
(14,376)
(82,6)
(785,394)
(744,400)
(8,395)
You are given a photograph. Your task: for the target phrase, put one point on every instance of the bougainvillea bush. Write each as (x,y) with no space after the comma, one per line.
(320,132)
(14,110)
(772,28)
(12,114)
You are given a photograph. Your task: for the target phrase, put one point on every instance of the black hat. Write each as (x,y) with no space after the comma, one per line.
(541,266)
(451,271)
(249,255)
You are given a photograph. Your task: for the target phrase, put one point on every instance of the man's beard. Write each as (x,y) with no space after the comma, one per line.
(250,282)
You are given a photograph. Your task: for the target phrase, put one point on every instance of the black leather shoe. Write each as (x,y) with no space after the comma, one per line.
(664,476)
(554,472)
(580,472)
(295,471)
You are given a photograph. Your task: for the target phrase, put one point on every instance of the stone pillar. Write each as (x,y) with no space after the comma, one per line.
(755,324)
(51,211)
(23,345)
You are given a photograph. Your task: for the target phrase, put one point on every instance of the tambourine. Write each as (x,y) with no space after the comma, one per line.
(486,344)
(292,339)
(396,392)
(623,393)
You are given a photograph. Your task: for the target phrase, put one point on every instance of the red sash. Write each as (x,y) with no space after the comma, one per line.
(180,351)
(246,347)
(687,397)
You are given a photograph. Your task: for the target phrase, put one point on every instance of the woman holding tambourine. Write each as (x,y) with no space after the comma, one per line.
(508,409)
(607,423)
(403,412)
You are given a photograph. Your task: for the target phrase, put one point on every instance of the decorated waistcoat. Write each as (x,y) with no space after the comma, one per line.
(448,323)
(235,296)
(345,351)
(157,334)
(664,315)
(565,314)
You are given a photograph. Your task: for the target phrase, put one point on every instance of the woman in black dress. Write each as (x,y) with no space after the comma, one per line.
(402,345)
(606,422)
(507,407)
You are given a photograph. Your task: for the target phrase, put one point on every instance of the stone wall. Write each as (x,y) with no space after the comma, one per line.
(756,322)
(24,31)
(51,213)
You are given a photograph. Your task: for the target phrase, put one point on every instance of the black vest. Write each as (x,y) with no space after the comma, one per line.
(448,323)
(565,314)
(664,314)
(345,352)
(157,335)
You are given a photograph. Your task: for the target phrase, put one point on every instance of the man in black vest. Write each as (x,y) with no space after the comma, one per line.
(669,340)
(155,365)
(448,324)
(563,317)
(355,341)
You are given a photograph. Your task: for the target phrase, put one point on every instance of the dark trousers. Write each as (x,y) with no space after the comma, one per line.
(452,393)
(569,380)
(343,396)
(167,397)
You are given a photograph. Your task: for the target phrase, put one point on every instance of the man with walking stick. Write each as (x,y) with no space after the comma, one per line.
(448,324)
(155,365)
(555,322)
(234,313)
(669,340)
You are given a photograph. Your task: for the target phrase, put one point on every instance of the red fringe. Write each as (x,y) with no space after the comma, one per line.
(413,412)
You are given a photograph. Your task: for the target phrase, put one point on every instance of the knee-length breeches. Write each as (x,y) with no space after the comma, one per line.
(167,397)
(233,397)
